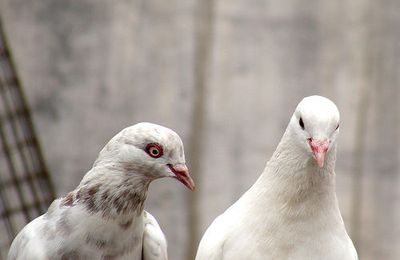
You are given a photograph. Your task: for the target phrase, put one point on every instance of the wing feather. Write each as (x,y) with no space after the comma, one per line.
(28,244)
(154,242)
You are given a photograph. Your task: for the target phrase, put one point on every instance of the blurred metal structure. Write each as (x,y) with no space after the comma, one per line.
(25,187)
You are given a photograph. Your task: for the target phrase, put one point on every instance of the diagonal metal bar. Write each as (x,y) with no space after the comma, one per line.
(27,190)
(11,167)
(14,126)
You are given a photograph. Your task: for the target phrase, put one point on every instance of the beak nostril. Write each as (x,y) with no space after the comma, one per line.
(309,141)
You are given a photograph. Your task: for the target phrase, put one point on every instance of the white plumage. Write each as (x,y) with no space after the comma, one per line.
(153,238)
(103,218)
(291,212)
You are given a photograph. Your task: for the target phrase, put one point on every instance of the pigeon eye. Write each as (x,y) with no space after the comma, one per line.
(154,150)
(337,127)
(301,123)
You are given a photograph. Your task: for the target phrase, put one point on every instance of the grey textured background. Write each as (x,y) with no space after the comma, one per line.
(226,75)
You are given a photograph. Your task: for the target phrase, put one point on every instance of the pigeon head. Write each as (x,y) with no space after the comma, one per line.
(150,150)
(316,125)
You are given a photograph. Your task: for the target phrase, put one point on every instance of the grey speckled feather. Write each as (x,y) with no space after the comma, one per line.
(103,218)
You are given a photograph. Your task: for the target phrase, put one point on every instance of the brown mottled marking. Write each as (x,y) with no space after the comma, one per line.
(95,199)
(78,194)
(71,255)
(119,204)
(88,196)
(99,243)
(130,167)
(104,196)
(93,190)
(90,205)
(125,193)
(126,225)
(68,200)
(128,201)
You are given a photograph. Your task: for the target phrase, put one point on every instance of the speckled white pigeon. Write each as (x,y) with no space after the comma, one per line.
(291,212)
(103,218)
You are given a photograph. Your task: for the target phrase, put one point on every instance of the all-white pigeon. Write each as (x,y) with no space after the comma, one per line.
(103,218)
(291,212)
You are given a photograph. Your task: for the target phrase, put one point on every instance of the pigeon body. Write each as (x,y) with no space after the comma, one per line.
(291,212)
(103,218)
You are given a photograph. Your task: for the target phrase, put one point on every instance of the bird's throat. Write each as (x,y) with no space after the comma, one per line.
(111,193)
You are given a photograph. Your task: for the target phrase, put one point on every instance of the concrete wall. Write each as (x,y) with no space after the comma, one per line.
(226,76)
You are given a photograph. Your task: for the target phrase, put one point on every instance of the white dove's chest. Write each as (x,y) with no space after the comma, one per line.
(284,244)
(294,237)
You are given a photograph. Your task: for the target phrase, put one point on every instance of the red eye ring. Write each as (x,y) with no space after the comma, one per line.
(154,150)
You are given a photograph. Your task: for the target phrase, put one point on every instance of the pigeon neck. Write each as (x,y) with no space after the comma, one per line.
(112,191)
(292,169)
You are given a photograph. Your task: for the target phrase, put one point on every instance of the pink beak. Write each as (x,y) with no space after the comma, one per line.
(182,174)
(319,149)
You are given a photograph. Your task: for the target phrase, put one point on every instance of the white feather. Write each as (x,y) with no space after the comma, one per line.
(103,218)
(154,242)
(291,212)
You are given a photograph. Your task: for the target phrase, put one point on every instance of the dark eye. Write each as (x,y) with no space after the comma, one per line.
(154,150)
(337,127)
(301,123)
